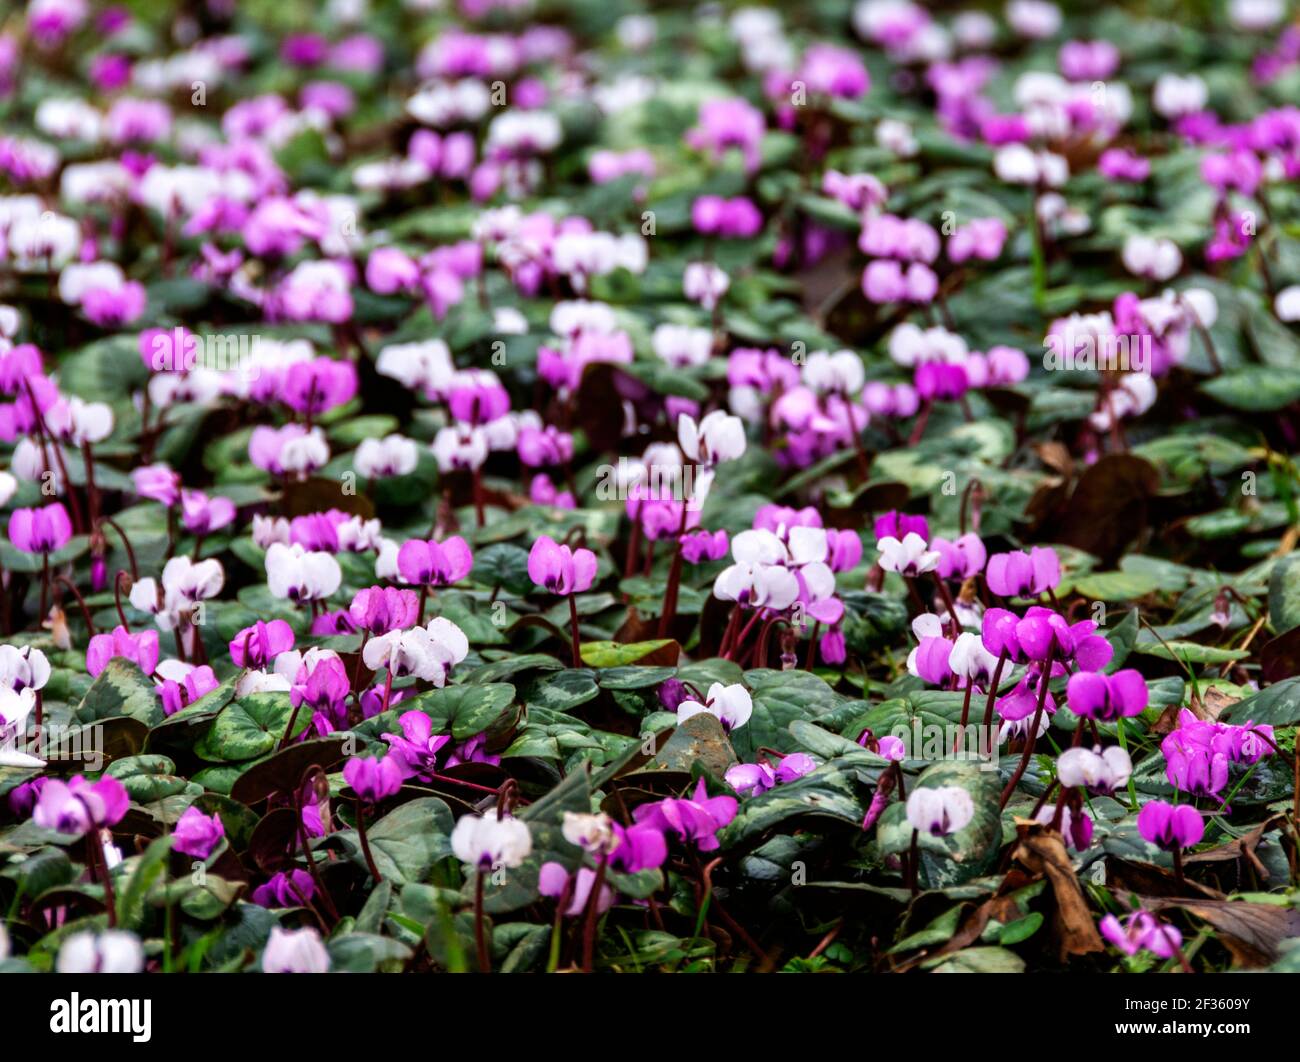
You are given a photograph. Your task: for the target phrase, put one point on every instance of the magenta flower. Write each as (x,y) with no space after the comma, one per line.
(158,483)
(1107,697)
(1142,930)
(177,693)
(319,385)
(77,806)
(415,752)
(559,569)
(140,649)
(197,834)
(1168,827)
(372,779)
(554,880)
(202,515)
(258,645)
(897,525)
(1020,574)
(700,546)
(695,820)
(640,847)
(750,779)
(41,530)
(960,559)
(380,609)
(432,563)
(288,888)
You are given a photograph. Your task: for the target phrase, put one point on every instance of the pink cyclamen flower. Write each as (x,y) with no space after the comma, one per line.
(1169,827)
(258,645)
(415,751)
(41,530)
(380,609)
(197,834)
(78,806)
(1107,698)
(555,881)
(372,779)
(1019,574)
(559,569)
(1139,931)
(140,649)
(695,820)
(433,563)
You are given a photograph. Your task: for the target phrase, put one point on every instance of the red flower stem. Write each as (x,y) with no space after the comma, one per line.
(365,842)
(573,628)
(1032,734)
(593,915)
(480,931)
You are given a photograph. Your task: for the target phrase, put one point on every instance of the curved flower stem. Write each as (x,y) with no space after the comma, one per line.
(946,594)
(1032,735)
(117,600)
(365,842)
(593,916)
(731,923)
(480,930)
(674,577)
(965,715)
(573,628)
(311,860)
(1178,869)
(993,689)
(63,580)
(99,869)
(811,658)
(45,588)
(913,863)
(126,544)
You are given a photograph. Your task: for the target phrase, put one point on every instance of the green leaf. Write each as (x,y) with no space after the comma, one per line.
(960,856)
(1277,705)
(1284,594)
(121,689)
(251,727)
(464,711)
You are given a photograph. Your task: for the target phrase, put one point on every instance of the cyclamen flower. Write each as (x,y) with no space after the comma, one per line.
(428,652)
(560,570)
(730,705)
(300,575)
(1169,827)
(381,609)
(183,684)
(258,645)
(490,841)
(910,557)
(1019,574)
(40,530)
(718,437)
(15,708)
(960,559)
(202,515)
(416,749)
(433,563)
(293,888)
(140,649)
(1099,772)
(555,881)
(1107,698)
(373,779)
(197,834)
(940,810)
(77,806)
(1141,931)
(695,820)
(114,951)
(750,779)
(23,667)
(295,951)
